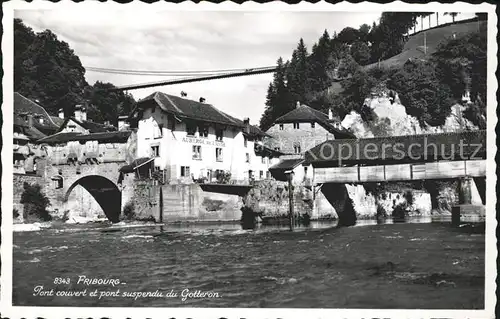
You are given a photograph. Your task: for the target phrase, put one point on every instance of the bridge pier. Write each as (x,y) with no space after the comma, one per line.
(465,191)
(338,197)
(466,208)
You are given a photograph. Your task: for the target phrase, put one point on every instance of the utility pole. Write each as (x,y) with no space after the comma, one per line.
(161,204)
(290,200)
(425,43)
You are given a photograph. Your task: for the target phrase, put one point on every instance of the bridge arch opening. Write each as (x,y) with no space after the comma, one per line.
(105,192)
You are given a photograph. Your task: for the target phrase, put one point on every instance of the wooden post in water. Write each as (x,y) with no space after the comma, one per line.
(161,205)
(290,200)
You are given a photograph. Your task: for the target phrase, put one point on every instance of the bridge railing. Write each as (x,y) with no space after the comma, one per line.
(400,172)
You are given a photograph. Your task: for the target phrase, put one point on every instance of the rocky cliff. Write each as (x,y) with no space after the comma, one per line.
(391,119)
(388,117)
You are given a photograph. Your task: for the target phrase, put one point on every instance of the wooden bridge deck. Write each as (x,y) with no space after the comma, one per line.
(400,172)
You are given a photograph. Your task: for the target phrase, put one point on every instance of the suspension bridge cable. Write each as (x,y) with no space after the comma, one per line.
(196,79)
(170,73)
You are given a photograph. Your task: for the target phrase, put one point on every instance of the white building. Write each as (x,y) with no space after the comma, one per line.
(194,141)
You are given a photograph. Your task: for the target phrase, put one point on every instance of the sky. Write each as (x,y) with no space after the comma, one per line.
(192,40)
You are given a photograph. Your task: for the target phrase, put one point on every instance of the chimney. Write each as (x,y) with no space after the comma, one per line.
(330,114)
(80,113)
(84,113)
(202,100)
(30,120)
(246,122)
(122,122)
(61,113)
(298,104)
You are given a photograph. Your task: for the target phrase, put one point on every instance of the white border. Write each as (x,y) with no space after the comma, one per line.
(72,312)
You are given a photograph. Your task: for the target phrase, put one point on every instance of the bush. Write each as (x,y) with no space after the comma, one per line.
(65,216)
(222,177)
(409,197)
(399,212)
(381,212)
(35,201)
(129,211)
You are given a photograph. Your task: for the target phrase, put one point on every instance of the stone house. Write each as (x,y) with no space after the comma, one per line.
(194,141)
(296,132)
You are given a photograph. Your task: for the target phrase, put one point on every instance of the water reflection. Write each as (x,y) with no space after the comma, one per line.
(312,224)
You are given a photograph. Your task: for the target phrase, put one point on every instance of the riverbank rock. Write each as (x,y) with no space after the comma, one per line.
(391,119)
(269,198)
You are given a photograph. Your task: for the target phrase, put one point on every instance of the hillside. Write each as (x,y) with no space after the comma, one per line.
(414,47)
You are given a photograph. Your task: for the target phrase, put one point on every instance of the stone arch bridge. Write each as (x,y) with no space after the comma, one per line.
(100,180)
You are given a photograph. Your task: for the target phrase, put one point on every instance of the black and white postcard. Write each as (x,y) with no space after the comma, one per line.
(248,161)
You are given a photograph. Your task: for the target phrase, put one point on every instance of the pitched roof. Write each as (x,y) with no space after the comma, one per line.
(110,137)
(264,151)
(57,120)
(189,109)
(278,171)
(31,132)
(252,130)
(18,121)
(25,105)
(304,113)
(409,148)
(287,164)
(93,127)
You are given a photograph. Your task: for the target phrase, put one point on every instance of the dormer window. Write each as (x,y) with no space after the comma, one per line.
(203,130)
(219,134)
(296,148)
(190,129)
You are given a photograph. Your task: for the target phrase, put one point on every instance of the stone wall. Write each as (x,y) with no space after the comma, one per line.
(183,202)
(17,190)
(68,196)
(305,136)
(270,199)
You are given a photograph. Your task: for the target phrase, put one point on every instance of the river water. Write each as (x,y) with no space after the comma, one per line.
(417,264)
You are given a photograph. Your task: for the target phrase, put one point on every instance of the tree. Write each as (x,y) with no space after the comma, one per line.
(49,71)
(356,89)
(107,105)
(387,38)
(364,32)
(360,52)
(267,117)
(322,63)
(348,66)
(297,74)
(35,201)
(278,100)
(462,63)
(422,93)
(452,14)
(23,38)
(348,35)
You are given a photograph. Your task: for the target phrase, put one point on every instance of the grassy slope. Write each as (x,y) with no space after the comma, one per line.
(414,48)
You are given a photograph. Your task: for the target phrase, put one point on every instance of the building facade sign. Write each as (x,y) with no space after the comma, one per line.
(203,141)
